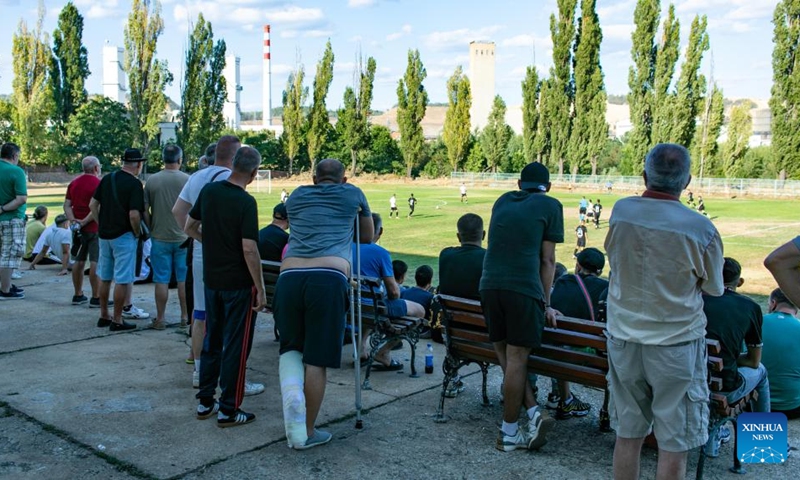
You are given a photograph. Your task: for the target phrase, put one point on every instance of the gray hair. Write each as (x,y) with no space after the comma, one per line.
(246,160)
(88,164)
(668,168)
(172,154)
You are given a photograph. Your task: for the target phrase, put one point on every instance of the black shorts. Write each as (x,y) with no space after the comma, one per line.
(582,210)
(513,317)
(310,308)
(89,248)
(582,242)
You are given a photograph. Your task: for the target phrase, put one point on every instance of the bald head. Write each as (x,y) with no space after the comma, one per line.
(227,146)
(330,171)
(89,164)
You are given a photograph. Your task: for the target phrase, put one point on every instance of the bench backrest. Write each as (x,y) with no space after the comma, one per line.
(467,336)
(270,271)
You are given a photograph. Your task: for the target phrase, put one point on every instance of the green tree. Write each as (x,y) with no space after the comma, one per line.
(542,142)
(531,88)
(562,32)
(318,122)
(7,114)
(476,160)
(691,86)
(100,127)
(667,53)
(735,149)
(495,135)
(71,65)
(705,147)
(32,97)
(641,78)
(294,97)
(353,122)
(412,101)
(383,151)
(203,91)
(457,124)
(147,76)
(785,100)
(589,128)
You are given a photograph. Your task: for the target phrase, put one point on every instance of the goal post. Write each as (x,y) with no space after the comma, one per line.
(264,176)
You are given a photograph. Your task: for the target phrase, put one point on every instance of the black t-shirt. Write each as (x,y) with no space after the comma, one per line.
(418,295)
(597,209)
(733,319)
(271,240)
(229,214)
(114,218)
(568,298)
(580,232)
(460,270)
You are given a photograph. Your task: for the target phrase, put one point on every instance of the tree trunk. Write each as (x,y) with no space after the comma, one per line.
(594,166)
(354,159)
(291,162)
(408,169)
(560,168)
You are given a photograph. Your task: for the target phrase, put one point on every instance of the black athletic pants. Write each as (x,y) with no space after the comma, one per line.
(230,324)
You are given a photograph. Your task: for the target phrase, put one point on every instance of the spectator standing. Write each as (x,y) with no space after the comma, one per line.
(166,255)
(118,204)
(780,355)
(273,238)
(13,195)
(515,295)
(86,242)
(656,339)
(34,230)
(234,287)
(312,294)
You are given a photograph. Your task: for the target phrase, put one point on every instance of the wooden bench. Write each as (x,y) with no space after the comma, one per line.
(271,271)
(385,329)
(467,341)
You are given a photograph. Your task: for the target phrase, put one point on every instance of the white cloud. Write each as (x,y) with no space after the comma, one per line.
(528,41)
(294,14)
(730,16)
(458,39)
(621,8)
(249,14)
(406,30)
(99,8)
(620,31)
(360,3)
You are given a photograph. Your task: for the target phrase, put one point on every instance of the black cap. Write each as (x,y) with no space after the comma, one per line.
(279,212)
(534,176)
(592,260)
(133,155)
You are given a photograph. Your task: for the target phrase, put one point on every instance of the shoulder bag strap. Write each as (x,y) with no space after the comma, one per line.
(585,295)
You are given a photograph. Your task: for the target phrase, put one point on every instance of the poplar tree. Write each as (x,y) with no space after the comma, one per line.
(705,147)
(740,128)
(32,97)
(147,76)
(562,32)
(641,77)
(667,53)
(412,101)
(318,121)
(589,128)
(691,86)
(543,135)
(785,100)
(495,135)
(531,88)
(456,135)
(353,122)
(71,65)
(294,97)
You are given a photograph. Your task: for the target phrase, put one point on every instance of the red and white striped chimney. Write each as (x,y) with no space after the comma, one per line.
(267,82)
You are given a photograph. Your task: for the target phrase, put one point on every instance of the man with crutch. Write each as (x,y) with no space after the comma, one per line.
(312,294)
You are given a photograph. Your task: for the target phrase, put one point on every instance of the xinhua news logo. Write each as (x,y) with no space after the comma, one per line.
(762,438)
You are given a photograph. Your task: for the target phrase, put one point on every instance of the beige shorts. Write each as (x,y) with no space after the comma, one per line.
(662,388)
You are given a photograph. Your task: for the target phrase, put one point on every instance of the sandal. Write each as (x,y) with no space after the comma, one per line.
(393,366)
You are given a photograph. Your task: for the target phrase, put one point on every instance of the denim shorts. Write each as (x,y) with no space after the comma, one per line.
(117,259)
(164,256)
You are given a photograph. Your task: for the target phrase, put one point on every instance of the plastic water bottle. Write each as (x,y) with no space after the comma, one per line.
(429,359)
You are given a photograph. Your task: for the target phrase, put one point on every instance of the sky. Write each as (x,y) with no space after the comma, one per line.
(740,32)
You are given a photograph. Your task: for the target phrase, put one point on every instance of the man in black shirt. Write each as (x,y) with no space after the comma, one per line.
(234,287)
(578,296)
(597,210)
(273,238)
(460,268)
(117,205)
(581,234)
(412,203)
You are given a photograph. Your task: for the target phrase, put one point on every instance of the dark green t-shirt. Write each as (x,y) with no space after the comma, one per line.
(734,320)
(12,184)
(460,270)
(521,221)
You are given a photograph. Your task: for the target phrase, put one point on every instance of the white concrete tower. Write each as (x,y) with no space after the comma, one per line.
(481,78)
(231,110)
(266,95)
(114,79)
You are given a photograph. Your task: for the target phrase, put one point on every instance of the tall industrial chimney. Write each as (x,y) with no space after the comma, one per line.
(266,95)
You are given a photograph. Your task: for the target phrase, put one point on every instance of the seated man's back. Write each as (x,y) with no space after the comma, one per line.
(460,270)
(273,238)
(420,293)
(569,296)
(781,357)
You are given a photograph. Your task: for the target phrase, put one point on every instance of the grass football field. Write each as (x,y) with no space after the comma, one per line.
(750,228)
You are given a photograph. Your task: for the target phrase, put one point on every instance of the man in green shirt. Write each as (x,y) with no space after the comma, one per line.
(781,334)
(13,195)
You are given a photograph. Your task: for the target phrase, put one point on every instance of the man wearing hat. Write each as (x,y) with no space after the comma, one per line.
(117,205)
(578,296)
(273,238)
(515,295)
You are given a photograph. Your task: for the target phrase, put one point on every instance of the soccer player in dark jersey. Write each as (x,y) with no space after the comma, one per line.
(412,203)
(597,208)
(581,233)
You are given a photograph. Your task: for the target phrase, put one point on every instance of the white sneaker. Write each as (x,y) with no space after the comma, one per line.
(195,379)
(16,275)
(135,313)
(253,388)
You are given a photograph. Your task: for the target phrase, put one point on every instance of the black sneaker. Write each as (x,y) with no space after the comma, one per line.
(237,418)
(104,322)
(79,299)
(94,302)
(572,408)
(12,295)
(15,288)
(118,327)
(204,412)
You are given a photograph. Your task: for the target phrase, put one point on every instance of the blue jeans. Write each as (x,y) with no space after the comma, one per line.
(753,379)
(117,259)
(166,256)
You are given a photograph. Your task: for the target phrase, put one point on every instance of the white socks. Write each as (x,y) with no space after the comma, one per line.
(510,429)
(197,365)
